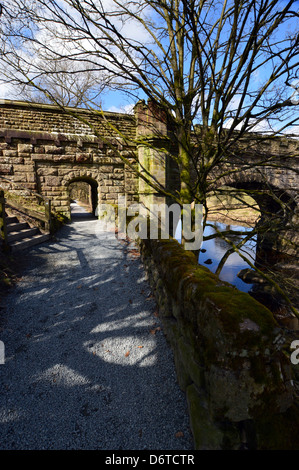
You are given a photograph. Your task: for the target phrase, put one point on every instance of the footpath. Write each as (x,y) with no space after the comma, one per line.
(87,366)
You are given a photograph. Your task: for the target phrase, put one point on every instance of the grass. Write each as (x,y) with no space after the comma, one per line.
(231,211)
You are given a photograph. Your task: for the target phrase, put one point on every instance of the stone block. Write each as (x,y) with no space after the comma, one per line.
(52,181)
(20,178)
(39,149)
(64,208)
(10,153)
(40,156)
(187,358)
(47,171)
(52,149)
(101,159)
(25,148)
(64,158)
(118,176)
(205,433)
(12,160)
(51,192)
(68,149)
(21,158)
(62,171)
(115,191)
(30,178)
(104,189)
(26,168)
(83,158)
(117,182)
(106,169)
(6,169)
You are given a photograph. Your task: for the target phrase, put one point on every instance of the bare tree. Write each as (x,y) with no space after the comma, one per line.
(221,72)
(61,83)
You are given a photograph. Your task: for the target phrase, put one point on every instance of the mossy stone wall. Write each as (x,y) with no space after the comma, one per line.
(224,342)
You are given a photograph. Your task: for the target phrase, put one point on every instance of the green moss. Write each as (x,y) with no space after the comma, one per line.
(27,202)
(58,219)
(206,435)
(209,351)
(180,271)
(192,368)
(199,284)
(174,263)
(237,306)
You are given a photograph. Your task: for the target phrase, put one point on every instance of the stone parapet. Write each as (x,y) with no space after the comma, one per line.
(228,362)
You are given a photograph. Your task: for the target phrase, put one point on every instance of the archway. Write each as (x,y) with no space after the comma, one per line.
(267,243)
(275,210)
(84,190)
(234,205)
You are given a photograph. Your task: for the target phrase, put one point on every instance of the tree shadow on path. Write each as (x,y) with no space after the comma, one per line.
(87,365)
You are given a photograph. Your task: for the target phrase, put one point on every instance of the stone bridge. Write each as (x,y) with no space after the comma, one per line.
(45,149)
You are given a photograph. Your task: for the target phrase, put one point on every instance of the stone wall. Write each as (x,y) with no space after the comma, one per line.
(44,118)
(43,149)
(237,379)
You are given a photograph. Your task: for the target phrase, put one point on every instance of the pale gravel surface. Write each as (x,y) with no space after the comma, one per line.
(75,374)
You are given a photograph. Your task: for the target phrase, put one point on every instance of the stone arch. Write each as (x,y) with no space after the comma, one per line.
(265,189)
(277,205)
(271,199)
(93,182)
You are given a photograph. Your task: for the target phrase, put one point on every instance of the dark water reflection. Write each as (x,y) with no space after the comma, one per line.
(214,249)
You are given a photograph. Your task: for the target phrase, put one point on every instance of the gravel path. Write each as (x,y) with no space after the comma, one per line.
(86,365)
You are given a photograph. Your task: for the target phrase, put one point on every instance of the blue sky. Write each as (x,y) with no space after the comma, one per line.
(119,102)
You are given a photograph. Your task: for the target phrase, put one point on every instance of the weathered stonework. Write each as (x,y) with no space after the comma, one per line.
(233,372)
(44,150)
(41,141)
(228,362)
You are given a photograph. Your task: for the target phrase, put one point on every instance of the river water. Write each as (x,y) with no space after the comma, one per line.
(214,249)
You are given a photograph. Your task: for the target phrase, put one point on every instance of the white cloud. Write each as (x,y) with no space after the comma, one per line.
(8,92)
(127,109)
(294,131)
(234,103)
